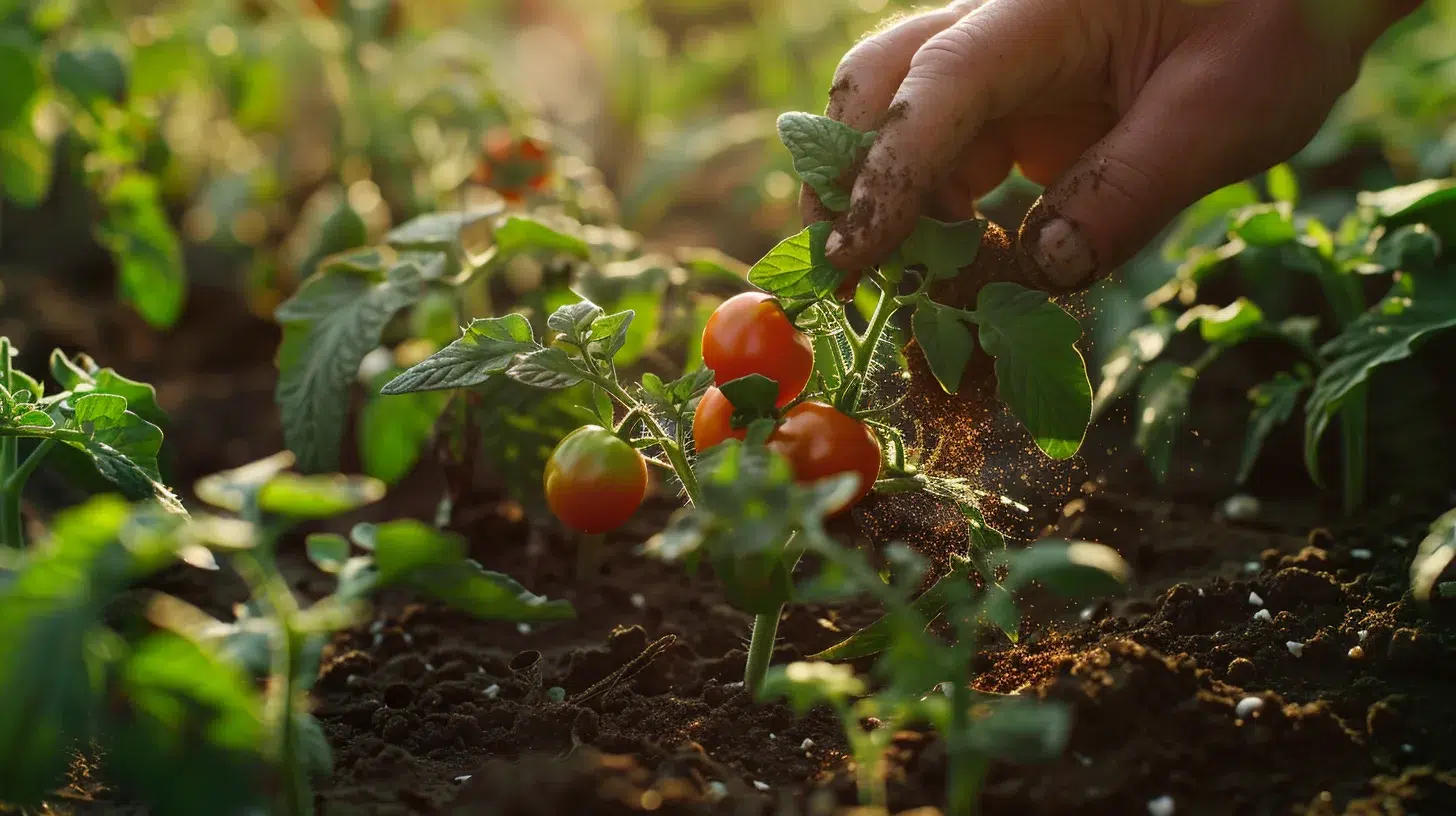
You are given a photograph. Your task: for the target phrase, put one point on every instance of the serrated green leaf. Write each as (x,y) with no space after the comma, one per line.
(124,450)
(35,419)
(944,339)
(797,266)
(609,333)
(808,684)
(944,249)
(574,320)
(1416,307)
(486,348)
(1039,371)
(1163,399)
(83,373)
(328,327)
(1435,553)
(824,150)
(1274,403)
(548,368)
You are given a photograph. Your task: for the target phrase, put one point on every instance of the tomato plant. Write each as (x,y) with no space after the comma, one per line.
(820,441)
(1401,235)
(595,481)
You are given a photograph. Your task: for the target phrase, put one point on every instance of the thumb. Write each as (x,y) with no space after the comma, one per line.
(1191,130)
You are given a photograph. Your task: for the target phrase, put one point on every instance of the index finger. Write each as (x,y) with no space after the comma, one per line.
(981,67)
(869,75)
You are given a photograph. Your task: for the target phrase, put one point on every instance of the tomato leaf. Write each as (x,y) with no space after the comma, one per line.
(1274,403)
(327,551)
(549,368)
(486,348)
(797,267)
(574,320)
(680,393)
(1163,399)
(1412,248)
(136,231)
(1283,184)
(944,249)
(317,496)
(609,333)
(1265,225)
(20,65)
(99,408)
(124,450)
(1431,202)
(90,74)
(83,374)
(394,430)
(1433,556)
(463,237)
(27,164)
(1231,325)
(328,326)
(824,151)
(946,342)
(753,397)
(518,234)
(1416,307)
(1039,371)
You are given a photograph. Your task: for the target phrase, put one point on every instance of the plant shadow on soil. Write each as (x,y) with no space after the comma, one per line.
(425,715)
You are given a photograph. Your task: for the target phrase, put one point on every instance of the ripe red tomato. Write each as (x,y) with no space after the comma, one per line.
(594,480)
(819,441)
(750,334)
(513,167)
(713,421)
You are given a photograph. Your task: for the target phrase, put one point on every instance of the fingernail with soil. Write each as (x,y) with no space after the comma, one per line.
(833,244)
(1063,254)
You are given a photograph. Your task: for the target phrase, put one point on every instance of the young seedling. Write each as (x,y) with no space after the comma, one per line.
(111,422)
(926,680)
(170,696)
(1400,233)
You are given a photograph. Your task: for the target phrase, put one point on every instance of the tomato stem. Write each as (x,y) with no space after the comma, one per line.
(670,445)
(864,346)
(760,650)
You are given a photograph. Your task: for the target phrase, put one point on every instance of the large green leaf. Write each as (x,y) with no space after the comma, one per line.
(328,327)
(124,449)
(486,348)
(1431,202)
(1163,398)
(1416,307)
(797,266)
(943,249)
(1039,371)
(83,375)
(945,341)
(91,74)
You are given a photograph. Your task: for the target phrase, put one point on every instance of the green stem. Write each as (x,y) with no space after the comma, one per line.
(674,451)
(9,501)
(967,768)
(864,347)
(260,571)
(760,650)
(14,485)
(1353,418)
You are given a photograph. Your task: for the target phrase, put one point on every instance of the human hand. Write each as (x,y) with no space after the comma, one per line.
(1127,110)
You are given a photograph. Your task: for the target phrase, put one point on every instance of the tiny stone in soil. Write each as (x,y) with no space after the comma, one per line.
(1255,599)
(1356,653)
(1361,553)
(1295,647)
(1248,706)
(1264,615)
(1162,806)
(1362,634)
(763,786)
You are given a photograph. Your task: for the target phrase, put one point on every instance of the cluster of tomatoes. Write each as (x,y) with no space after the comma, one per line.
(514,167)
(595,480)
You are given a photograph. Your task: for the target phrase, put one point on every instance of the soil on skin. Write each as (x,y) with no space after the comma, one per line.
(425,715)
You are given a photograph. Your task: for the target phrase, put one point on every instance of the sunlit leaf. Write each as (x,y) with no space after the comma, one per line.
(486,348)
(1434,554)
(943,337)
(797,266)
(807,684)
(1162,408)
(824,150)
